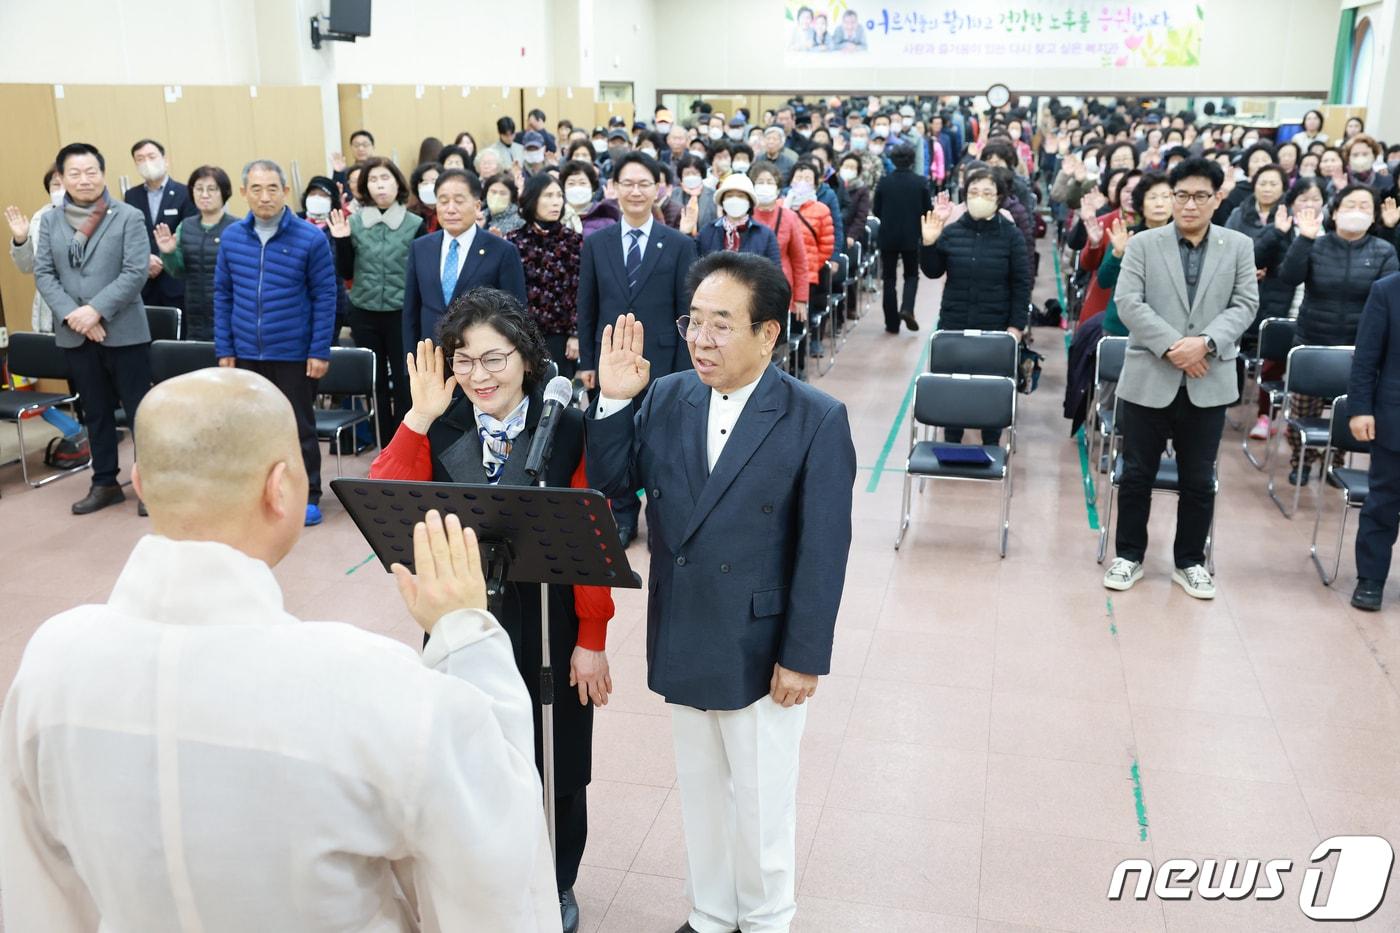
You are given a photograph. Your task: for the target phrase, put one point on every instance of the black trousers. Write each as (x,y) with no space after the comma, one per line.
(1380,516)
(889,265)
(557,344)
(570,836)
(106,377)
(955,436)
(290,376)
(382,332)
(1195,433)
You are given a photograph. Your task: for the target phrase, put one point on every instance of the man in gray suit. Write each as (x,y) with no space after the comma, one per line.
(90,268)
(1186,292)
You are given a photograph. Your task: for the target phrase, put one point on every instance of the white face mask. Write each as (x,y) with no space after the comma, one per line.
(578,195)
(534,156)
(318,205)
(56,198)
(1362,161)
(600,146)
(735,133)
(663,128)
(981,208)
(860,143)
(848,175)
(741,167)
(895,126)
(692,183)
(426,195)
(151,169)
(736,207)
(881,131)
(766,192)
(649,152)
(716,132)
(1354,221)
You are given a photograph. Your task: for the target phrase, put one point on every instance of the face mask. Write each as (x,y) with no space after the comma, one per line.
(663,128)
(1091,166)
(534,156)
(716,132)
(577,195)
(736,207)
(497,203)
(766,192)
(152,169)
(649,152)
(895,126)
(1249,142)
(600,146)
(859,143)
(426,195)
(692,183)
(1240,174)
(981,208)
(318,205)
(881,131)
(711,182)
(1014,134)
(877,149)
(1362,162)
(735,133)
(803,190)
(56,198)
(805,134)
(1354,221)
(741,167)
(848,175)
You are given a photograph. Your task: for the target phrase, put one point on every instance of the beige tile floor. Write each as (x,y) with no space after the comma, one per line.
(969,763)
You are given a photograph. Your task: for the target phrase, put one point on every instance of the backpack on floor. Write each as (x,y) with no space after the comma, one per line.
(1028,379)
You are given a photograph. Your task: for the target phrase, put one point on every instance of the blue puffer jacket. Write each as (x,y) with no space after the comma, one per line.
(275,302)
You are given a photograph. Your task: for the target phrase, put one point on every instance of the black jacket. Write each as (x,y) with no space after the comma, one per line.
(1374,388)
(1336,276)
(1270,245)
(901,200)
(989,284)
(175,206)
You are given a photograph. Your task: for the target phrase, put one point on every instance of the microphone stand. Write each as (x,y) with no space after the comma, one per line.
(547,710)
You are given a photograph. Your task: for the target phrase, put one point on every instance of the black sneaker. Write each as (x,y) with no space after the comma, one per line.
(1367,595)
(1298,477)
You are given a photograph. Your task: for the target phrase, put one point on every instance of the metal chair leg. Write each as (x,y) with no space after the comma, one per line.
(24,463)
(1005,511)
(904,512)
(1341,540)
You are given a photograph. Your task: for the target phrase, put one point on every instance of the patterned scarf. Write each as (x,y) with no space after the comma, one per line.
(498,437)
(84,221)
(732,229)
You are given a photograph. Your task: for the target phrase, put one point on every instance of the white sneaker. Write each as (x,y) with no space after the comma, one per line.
(1260,431)
(1196,581)
(1122,574)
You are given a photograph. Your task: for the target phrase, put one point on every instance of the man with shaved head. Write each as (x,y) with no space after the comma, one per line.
(190,756)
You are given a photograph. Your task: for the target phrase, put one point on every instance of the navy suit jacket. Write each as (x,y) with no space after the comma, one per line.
(1374,388)
(491,263)
(660,296)
(175,206)
(747,562)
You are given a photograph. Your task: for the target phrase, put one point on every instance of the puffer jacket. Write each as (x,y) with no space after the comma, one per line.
(818,235)
(376,256)
(1270,245)
(1336,276)
(274,302)
(989,286)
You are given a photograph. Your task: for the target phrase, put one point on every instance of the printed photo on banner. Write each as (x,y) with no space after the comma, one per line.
(1035,33)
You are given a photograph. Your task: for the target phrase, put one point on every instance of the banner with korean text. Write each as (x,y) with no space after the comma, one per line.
(1029,34)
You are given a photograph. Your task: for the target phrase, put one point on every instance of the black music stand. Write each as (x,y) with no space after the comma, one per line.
(527,534)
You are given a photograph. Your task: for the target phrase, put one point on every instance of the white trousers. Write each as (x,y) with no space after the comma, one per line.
(737,773)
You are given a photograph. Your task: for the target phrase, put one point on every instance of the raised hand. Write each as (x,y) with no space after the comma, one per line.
(337,162)
(1228,184)
(690,217)
(623,372)
(338,224)
(1118,236)
(165,240)
(1282,221)
(447,571)
(933,222)
(19,224)
(430,386)
(1390,212)
(1074,165)
(1094,227)
(1309,222)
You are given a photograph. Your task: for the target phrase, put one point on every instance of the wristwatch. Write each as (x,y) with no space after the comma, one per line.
(1210,345)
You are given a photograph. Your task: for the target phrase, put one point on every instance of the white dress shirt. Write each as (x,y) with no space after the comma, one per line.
(190,757)
(641,243)
(464,245)
(725,409)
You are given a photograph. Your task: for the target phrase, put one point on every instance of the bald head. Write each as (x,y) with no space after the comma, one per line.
(209,443)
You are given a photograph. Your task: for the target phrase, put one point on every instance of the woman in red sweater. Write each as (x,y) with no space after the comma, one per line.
(494,354)
(1120,189)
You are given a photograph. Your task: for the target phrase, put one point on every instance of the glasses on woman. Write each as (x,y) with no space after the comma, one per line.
(718,332)
(492,362)
(1186,197)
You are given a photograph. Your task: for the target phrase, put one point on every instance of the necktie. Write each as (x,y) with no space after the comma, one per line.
(449,273)
(634,258)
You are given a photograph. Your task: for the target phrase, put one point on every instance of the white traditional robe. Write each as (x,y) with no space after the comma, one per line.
(190,757)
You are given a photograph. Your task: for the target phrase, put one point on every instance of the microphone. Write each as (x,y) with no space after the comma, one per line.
(557,396)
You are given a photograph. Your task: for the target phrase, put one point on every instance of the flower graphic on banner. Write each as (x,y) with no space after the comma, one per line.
(1180,46)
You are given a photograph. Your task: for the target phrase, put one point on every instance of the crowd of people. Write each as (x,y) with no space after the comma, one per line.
(621,258)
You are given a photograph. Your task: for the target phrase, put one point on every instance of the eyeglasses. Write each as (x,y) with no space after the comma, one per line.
(636,185)
(1159,197)
(1186,197)
(492,362)
(719,332)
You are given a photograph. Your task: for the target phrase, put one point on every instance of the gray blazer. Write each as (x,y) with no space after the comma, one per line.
(1151,297)
(110,278)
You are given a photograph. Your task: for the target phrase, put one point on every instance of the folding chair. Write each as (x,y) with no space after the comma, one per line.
(872,265)
(171,358)
(1108,368)
(1354,483)
(943,400)
(817,313)
(1275,340)
(1315,371)
(973,352)
(351,373)
(853,307)
(836,303)
(164,322)
(35,356)
(1167,480)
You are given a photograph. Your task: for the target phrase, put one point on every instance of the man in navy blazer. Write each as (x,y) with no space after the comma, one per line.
(161,201)
(1373,401)
(748,474)
(637,267)
(477,258)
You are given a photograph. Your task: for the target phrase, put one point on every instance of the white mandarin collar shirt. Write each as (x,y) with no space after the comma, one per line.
(725,409)
(189,756)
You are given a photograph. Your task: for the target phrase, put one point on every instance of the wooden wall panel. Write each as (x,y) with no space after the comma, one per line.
(112,117)
(603,110)
(478,111)
(211,126)
(576,104)
(287,128)
(23,160)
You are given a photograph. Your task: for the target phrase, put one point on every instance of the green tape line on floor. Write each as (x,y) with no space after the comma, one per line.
(1090,497)
(1138,802)
(360,564)
(894,430)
